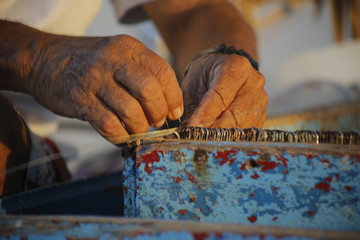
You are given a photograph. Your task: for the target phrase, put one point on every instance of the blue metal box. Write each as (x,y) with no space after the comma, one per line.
(288,185)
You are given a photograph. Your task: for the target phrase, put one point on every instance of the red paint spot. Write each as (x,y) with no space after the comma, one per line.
(337,177)
(308,156)
(267,165)
(252,219)
(200,236)
(285,171)
(126,190)
(176,179)
(161,168)
(328,179)
(323,186)
(182,212)
(284,161)
(348,188)
(326,162)
(225,157)
(239,177)
(311,213)
(191,177)
(149,160)
(161,208)
(357,158)
(140,179)
(252,194)
(137,187)
(255,176)
(274,218)
(254,153)
(275,188)
(243,166)
(218,235)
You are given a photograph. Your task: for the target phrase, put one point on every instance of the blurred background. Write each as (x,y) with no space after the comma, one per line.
(309,54)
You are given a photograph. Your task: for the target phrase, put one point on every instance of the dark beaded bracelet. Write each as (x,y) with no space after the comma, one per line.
(223,49)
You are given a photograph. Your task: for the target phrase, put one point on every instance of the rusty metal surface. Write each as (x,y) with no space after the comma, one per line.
(65,228)
(288,185)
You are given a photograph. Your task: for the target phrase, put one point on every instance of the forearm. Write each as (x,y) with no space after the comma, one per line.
(19,45)
(202,25)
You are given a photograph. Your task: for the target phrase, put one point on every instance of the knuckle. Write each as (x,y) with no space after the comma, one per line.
(164,71)
(80,101)
(131,44)
(123,38)
(239,65)
(239,61)
(147,89)
(108,124)
(131,110)
(87,112)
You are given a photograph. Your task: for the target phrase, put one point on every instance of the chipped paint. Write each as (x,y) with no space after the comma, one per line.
(288,185)
(65,228)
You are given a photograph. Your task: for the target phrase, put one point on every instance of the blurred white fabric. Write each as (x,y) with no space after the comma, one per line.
(317,78)
(303,66)
(55,16)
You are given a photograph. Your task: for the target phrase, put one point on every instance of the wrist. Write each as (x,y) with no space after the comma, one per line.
(223,49)
(19,50)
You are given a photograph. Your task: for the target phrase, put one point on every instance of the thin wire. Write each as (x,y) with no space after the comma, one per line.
(243,112)
(64,154)
(116,140)
(48,158)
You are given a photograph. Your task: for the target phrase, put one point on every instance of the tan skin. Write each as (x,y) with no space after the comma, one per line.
(121,87)
(219,90)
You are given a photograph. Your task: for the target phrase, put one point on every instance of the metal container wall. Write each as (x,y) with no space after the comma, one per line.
(287,185)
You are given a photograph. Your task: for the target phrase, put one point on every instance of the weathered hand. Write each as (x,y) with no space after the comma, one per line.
(115,83)
(224,91)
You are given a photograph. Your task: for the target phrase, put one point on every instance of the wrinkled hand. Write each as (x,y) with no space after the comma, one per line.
(115,83)
(224,91)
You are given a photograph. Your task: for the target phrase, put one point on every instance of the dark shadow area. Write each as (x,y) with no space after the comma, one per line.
(94,196)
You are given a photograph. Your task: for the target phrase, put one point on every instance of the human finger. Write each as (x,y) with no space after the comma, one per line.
(249,106)
(146,89)
(125,106)
(222,91)
(102,119)
(243,114)
(164,73)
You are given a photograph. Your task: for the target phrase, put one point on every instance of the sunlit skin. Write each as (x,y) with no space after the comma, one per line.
(219,90)
(121,87)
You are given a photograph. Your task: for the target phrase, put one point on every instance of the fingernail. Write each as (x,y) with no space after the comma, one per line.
(177,113)
(160,123)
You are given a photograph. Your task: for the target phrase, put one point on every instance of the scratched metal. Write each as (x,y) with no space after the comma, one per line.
(65,228)
(288,185)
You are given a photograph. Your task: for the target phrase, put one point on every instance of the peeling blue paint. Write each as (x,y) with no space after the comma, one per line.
(289,186)
(65,228)
(166,236)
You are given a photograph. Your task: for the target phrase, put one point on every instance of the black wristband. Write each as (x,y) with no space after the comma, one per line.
(223,49)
